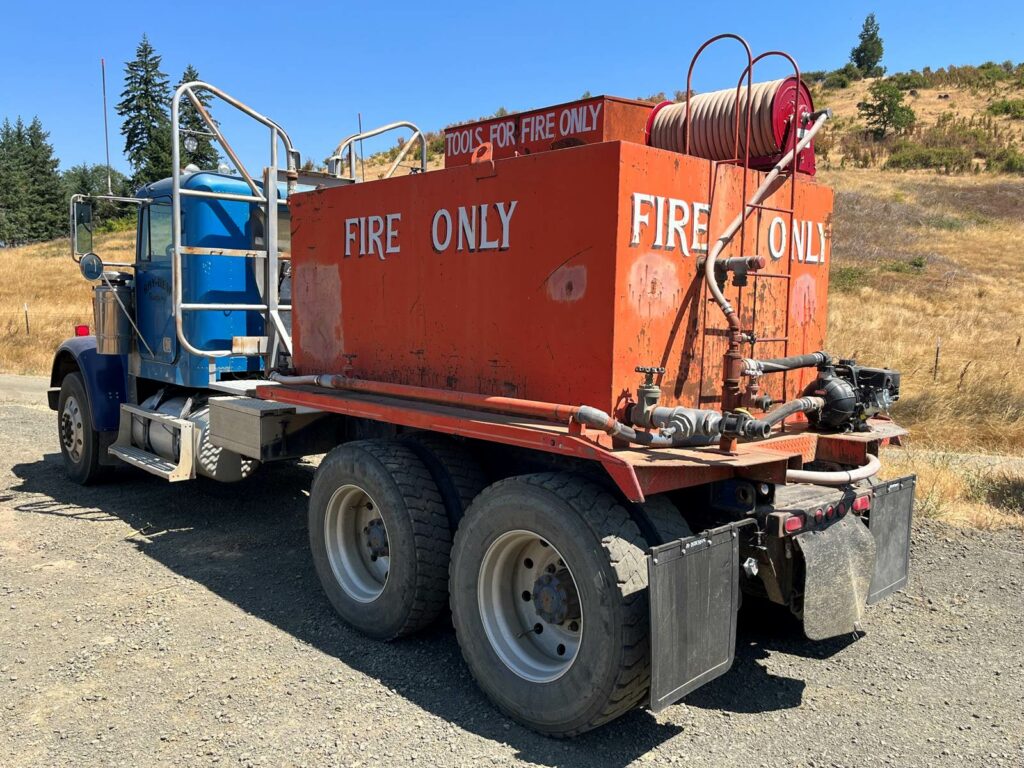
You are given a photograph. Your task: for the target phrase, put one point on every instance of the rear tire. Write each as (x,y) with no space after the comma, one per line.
(79,442)
(458,475)
(601,584)
(666,522)
(380,538)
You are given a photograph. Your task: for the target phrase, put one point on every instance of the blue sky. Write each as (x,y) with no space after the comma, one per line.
(437,63)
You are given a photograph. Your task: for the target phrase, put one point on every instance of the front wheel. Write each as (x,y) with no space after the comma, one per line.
(79,442)
(549,601)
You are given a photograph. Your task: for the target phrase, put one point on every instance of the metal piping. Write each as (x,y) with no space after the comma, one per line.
(531,408)
(334,162)
(835,478)
(267,197)
(749,207)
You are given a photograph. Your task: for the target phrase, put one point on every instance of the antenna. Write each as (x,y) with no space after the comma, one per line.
(106,134)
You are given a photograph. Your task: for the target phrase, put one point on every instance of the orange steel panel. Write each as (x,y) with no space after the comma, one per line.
(551,276)
(588,121)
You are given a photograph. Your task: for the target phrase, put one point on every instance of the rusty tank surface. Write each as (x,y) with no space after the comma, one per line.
(552,276)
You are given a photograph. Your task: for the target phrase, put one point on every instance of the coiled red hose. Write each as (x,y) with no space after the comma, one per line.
(713,121)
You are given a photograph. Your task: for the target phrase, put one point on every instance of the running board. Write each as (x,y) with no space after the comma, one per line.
(134,456)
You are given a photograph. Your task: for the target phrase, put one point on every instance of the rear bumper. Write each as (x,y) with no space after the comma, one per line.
(829,574)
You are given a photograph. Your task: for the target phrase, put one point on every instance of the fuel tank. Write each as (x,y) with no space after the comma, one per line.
(551,276)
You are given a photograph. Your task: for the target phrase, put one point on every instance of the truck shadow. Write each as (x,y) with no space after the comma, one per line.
(247,543)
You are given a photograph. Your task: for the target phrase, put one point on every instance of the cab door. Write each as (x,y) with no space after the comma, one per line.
(153,283)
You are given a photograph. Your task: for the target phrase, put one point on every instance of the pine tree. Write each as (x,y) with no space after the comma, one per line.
(146,127)
(44,194)
(868,53)
(14,210)
(205,155)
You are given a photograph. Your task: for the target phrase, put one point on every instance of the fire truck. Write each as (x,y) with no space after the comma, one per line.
(571,389)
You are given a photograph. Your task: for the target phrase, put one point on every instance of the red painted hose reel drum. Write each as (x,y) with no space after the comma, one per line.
(713,124)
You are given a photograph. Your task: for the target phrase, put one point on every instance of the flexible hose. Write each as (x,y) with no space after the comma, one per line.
(800,405)
(791,363)
(748,208)
(713,123)
(835,478)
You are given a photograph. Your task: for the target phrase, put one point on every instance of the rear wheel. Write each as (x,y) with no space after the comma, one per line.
(79,442)
(549,602)
(379,537)
(456,471)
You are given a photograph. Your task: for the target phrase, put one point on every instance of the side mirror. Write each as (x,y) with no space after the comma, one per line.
(82,227)
(91,266)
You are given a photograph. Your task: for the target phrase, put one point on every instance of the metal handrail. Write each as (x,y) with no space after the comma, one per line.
(265,198)
(336,160)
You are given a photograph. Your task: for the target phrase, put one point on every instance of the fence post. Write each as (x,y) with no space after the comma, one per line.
(935,368)
(27,330)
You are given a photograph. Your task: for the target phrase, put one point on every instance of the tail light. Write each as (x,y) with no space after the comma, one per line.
(830,512)
(81,330)
(793,523)
(819,515)
(862,503)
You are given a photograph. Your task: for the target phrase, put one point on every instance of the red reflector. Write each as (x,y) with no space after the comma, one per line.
(830,512)
(81,330)
(793,523)
(818,516)
(861,503)
(842,509)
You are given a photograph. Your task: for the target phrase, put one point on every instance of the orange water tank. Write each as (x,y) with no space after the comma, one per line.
(551,276)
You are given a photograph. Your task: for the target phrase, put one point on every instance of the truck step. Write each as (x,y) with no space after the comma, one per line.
(173,472)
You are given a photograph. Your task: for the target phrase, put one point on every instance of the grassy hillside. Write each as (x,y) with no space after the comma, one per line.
(951,122)
(44,277)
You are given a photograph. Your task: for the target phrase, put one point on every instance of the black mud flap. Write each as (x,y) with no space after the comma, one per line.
(889,521)
(694,596)
(838,565)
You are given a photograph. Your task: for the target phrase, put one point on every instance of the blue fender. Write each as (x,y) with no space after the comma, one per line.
(105,377)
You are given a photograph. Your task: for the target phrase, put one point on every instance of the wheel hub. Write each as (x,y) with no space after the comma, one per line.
(529,606)
(377,538)
(555,598)
(356,538)
(72,429)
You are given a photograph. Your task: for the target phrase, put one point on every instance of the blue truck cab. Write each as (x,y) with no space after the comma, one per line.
(222,238)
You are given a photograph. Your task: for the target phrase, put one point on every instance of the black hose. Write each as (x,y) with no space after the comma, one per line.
(800,405)
(779,364)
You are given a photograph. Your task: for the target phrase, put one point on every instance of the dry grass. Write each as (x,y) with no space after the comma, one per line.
(971,490)
(44,277)
(935,259)
(918,259)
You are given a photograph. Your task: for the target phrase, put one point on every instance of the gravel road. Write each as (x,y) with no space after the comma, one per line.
(151,624)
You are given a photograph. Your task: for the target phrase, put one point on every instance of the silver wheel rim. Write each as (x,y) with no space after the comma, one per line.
(72,429)
(532,643)
(353,531)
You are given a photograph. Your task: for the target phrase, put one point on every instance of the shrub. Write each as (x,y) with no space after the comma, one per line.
(885,110)
(835,81)
(1012,108)
(909,155)
(847,279)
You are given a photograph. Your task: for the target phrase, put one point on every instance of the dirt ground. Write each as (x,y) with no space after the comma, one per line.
(148,624)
